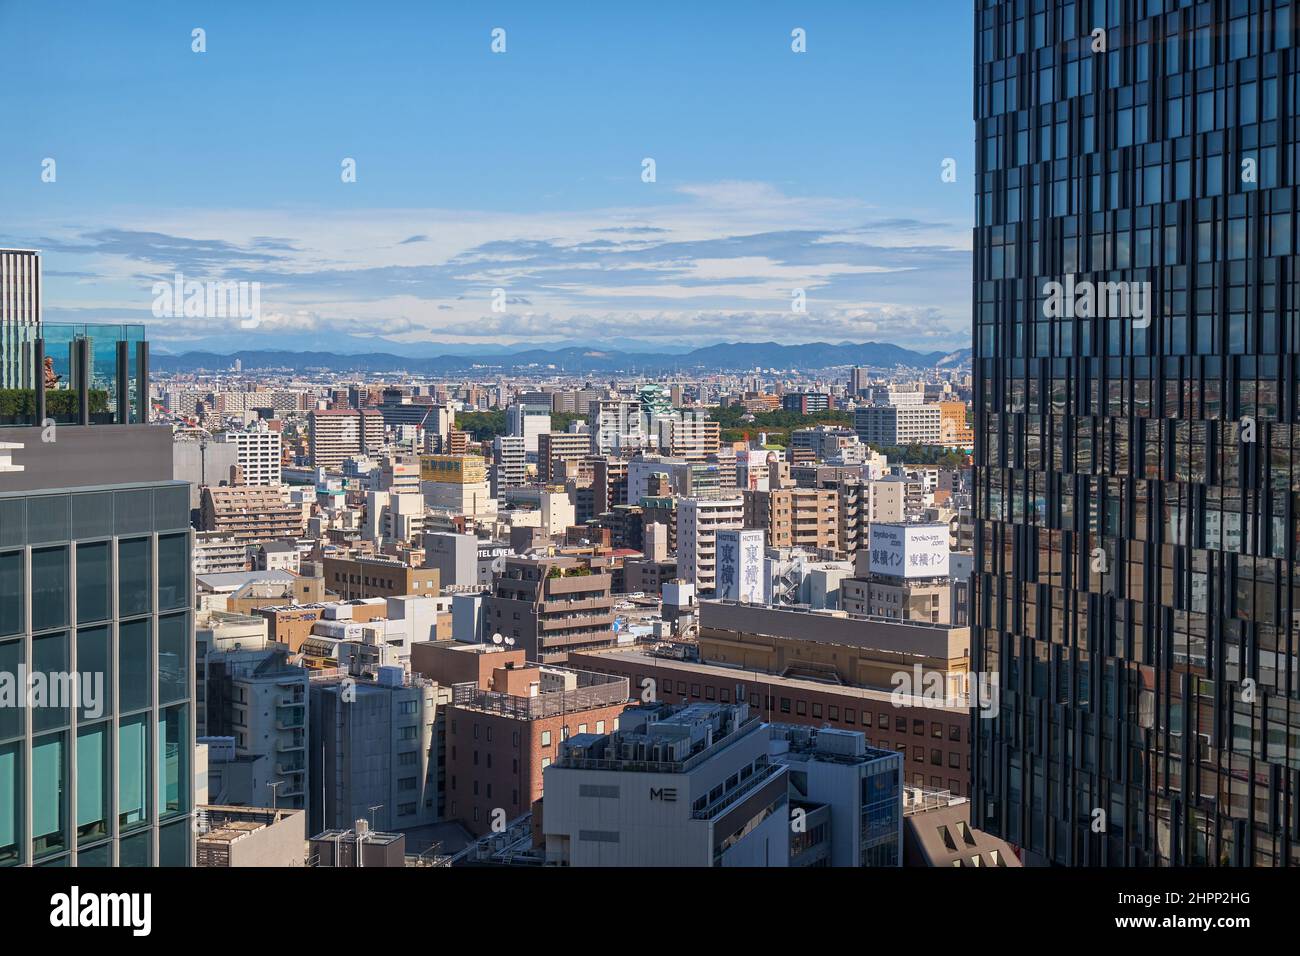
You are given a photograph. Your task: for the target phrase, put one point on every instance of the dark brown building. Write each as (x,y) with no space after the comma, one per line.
(551,606)
(363,577)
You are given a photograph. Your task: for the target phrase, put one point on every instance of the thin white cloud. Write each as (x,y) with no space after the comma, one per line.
(727,252)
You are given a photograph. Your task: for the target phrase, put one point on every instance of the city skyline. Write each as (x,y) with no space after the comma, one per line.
(225,165)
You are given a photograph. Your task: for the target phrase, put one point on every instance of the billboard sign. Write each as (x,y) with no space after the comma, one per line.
(909,550)
(740,566)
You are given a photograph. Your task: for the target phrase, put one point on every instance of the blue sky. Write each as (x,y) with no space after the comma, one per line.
(775,170)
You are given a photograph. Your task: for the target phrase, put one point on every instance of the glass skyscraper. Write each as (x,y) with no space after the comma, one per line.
(96,644)
(1138,459)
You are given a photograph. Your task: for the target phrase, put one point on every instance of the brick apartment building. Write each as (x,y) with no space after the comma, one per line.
(505,724)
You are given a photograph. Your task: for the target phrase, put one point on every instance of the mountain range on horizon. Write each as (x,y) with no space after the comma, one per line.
(727,356)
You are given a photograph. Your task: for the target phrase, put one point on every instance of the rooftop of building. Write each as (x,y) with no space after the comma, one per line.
(661,738)
(352,836)
(937,832)
(827,745)
(215,823)
(552,691)
(734,672)
(234,580)
(917,638)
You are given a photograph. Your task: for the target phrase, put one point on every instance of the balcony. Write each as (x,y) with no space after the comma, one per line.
(746,788)
(100,375)
(577,604)
(572,621)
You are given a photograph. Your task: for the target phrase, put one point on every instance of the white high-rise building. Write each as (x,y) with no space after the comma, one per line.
(618,427)
(528,421)
(258,453)
(509,462)
(698,522)
(20,315)
(896,425)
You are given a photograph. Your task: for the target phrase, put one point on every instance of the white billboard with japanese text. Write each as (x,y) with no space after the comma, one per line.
(909,550)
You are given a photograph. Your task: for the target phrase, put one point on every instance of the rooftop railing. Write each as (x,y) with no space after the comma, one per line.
(77,375)
(599,690)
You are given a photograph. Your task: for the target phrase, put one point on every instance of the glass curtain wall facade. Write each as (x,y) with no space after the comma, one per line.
(96,770)
(1137,464)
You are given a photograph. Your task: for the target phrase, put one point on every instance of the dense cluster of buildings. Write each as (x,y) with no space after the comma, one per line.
(332,618)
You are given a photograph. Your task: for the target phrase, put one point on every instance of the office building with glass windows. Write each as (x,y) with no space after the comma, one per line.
(96,632)
(1136,360)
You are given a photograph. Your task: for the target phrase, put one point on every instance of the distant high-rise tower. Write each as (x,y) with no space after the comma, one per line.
(20,314)
(1135,355)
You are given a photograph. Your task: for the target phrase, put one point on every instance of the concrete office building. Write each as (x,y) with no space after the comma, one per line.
(374,750)
(896,395)
(392,517)
(824,441)
(898,425)
(455,556)
(795,666)
(377,576)
(932,737)
(253,698)
(861,787)
(458,485)
(551,607)
(673,787)
(199,461)
(922,597)
(468,617)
